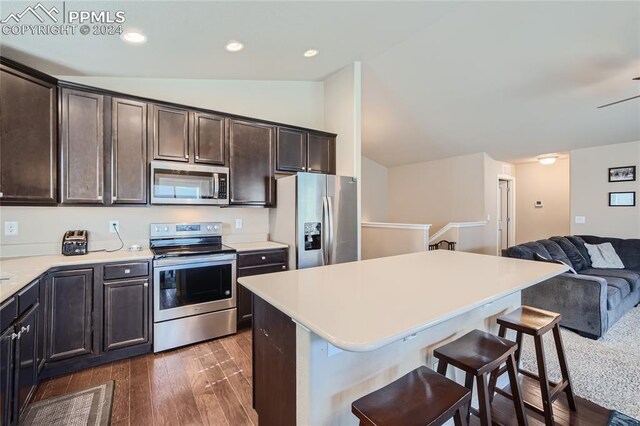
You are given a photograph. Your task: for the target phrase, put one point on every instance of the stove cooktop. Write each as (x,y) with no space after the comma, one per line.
(191,250)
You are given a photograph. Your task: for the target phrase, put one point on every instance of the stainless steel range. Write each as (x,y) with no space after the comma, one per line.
(194,285)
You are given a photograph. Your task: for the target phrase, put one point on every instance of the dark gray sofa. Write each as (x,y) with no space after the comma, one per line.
(592,300)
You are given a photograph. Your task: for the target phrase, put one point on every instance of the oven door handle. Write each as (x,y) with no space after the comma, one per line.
(193,261)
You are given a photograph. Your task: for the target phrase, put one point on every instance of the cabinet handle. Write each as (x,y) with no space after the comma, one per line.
(146,284)
(114,197)
(186,156)
(15,336)
(264,258)
(25,329)
(99,197)
(127,271)
(284,267)
(304,168)
(1,195)
(197,157)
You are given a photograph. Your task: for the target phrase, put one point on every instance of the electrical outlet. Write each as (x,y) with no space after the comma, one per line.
(581,219)
(238,223)
(113,225)
(11,228)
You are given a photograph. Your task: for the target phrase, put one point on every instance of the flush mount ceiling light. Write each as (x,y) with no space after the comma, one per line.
(548,159)
(134,37)
(234,46)
(311,53)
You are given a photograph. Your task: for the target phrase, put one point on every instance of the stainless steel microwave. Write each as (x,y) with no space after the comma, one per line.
(175,183)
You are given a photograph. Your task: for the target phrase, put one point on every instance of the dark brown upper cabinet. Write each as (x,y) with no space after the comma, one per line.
(170,133)
(28,138)
(301,151)
(128,151)
(291,150)
(82,143)
(252,163)
(321,154)
(209,138)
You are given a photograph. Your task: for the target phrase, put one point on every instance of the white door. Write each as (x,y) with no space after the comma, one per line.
(504,215)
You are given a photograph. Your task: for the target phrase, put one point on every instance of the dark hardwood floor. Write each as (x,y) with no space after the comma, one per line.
(210,384)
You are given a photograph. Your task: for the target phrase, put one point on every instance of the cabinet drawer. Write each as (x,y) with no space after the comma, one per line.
(8,313)
(28,296)
(257,258)
(259,270)
(126,270)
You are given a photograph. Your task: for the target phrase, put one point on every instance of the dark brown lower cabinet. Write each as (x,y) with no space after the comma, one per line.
(6,375)
(126,313)
(274,365)
(26,356)
(69,314)
(256,263)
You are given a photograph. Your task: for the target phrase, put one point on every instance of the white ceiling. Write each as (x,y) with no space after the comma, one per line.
(514,79)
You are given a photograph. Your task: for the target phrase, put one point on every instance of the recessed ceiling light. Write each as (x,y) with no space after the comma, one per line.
(134,37)
(548,160)
(311,53)
(234,46)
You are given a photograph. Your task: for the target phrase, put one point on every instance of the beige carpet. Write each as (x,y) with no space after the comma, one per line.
(605,371)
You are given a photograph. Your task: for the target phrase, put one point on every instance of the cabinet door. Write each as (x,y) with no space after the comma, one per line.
(26,356)
(170,133)
(82,139)
(128,151)
(209,138)
(126,313)
(69,314)
(251,163)
(244,305)
(292,150)
(6,375)
(321,154)
(28,139)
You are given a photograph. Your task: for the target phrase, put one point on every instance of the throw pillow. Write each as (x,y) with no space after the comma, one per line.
(604,256)
(541,258)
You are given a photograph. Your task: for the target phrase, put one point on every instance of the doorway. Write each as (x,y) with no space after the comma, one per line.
(506,213)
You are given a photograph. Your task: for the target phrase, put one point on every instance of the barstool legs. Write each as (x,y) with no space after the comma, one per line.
(512,368)
(563,367)
(547,404)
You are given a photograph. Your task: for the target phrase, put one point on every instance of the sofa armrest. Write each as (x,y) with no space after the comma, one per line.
(581,299)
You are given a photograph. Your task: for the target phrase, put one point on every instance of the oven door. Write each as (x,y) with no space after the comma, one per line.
(189,286)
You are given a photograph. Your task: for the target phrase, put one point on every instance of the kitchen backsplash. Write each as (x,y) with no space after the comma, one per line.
(40,229)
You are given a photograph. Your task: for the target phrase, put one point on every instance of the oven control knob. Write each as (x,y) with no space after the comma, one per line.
(166,229)
(209,228)
(157,229)
(215,228)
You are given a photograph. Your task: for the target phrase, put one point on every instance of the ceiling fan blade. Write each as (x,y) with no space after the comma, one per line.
(620,101)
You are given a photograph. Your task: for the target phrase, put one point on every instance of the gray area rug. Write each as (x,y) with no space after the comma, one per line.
(604,371)
(88,407)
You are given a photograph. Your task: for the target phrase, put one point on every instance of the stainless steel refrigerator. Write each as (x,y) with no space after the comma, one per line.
(317,216)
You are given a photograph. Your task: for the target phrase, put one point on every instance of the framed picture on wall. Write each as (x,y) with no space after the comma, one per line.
(622,174)
(622,199)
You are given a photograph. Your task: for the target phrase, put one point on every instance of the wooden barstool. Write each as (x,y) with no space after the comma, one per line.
(479,354)
(537,322)
(422,397)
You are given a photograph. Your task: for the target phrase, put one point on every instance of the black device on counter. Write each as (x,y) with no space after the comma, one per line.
(75,243)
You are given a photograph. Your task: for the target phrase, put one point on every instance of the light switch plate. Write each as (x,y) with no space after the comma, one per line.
(238,223)
(581,219)
(11,228)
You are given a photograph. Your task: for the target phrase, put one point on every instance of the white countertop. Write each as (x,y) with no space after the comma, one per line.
(23,270)
(256,245)
(362,306)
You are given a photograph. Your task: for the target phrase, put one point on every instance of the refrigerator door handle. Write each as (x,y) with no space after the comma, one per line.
(331,233)
(325,231)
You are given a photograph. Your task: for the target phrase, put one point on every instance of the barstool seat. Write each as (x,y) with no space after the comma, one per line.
(537,322)
(479,354)
(421,397)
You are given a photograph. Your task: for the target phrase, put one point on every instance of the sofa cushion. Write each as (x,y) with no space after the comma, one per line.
(627,249)
(613,297)
(620,283)
(536,247)
(578,243)
(632,277)
(577,260)
(556,252)
(520,252)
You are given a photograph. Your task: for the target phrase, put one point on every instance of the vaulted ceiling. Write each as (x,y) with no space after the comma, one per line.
(514,79)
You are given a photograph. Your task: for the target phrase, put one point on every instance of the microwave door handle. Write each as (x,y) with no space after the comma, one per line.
(325,232)
(216,185)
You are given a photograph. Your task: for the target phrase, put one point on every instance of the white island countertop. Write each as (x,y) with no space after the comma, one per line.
(17,272)
(362,306)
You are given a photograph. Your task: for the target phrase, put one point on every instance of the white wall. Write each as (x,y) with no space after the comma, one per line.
(375,207)
(41,228)
(590,188)
(343,115)
(298,103)
(549,184)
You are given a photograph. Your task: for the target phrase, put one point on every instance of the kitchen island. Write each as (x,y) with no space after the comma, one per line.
(325,336)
